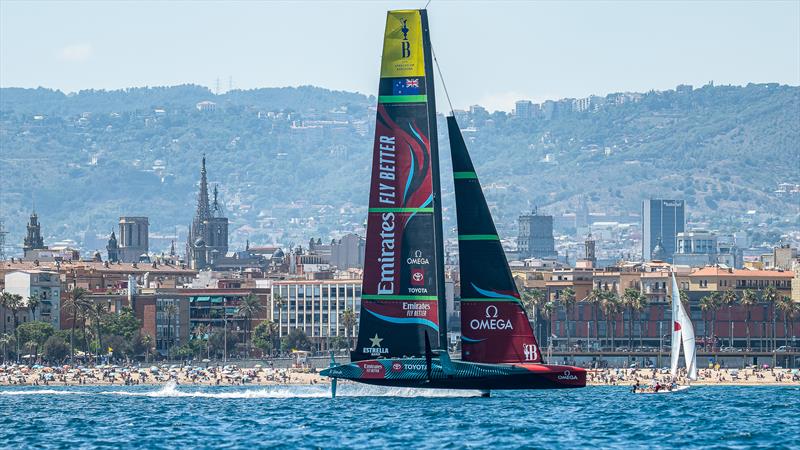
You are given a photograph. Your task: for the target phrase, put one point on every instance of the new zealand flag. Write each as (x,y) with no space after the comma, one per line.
(406,86)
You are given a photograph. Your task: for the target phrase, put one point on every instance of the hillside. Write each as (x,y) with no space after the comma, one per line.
(292,163)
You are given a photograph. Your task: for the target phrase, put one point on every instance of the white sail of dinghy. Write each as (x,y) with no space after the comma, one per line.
(682,333)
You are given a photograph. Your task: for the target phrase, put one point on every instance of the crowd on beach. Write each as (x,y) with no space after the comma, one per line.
(227,375)
(720,376)
(266,374)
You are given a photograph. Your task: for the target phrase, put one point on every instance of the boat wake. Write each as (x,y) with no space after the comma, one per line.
(172,390)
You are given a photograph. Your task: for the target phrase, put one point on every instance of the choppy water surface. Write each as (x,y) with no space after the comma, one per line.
(363,416)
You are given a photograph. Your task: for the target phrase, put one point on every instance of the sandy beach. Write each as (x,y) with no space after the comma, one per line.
(13,375)
(716,377)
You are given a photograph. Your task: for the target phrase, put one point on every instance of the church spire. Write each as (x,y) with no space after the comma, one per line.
(203,208)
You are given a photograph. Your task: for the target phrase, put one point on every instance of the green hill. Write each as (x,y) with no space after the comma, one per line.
(292,163)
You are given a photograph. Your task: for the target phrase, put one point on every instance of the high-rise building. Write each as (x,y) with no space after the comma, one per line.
(134,241)
(535,239)
(208,235)
(524,109)
(662,219)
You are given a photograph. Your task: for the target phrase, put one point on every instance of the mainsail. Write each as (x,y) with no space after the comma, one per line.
(402,303)
(682,333)
(494,326)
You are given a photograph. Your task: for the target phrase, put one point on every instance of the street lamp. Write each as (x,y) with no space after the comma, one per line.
(225,330)
(588,330)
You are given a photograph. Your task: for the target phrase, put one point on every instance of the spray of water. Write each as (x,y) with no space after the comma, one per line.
(172,390)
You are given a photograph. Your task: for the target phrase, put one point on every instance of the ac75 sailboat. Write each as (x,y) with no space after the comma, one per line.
(402,337)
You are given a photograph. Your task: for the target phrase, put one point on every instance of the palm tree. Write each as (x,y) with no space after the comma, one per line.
(728,298)
(794,312)
(611,307)
(5,299)
(748,300)
(785,305)
(531,300)
(202,332)
(85,315)
(638,306)
(73,303)
(99,312)
(147,341)
(547,311)
(633,301)
(5,339)
(14,303)
(770,296)
(567,297)
(171,309)
(33,302)
(708,307)
(348,321)
(249,307)
(595,298)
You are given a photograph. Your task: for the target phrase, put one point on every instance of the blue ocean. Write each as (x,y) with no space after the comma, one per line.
(173,417)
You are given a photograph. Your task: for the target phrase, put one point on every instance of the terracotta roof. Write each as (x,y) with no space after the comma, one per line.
(740,273)
(67,266)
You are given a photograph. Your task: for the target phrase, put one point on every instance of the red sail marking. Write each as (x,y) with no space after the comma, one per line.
(403,140)
(371,369)
(374,251)
(422,183)
(677,326)
(501,331)
(401,309)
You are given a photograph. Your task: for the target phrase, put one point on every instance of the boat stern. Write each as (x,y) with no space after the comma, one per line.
(560,376)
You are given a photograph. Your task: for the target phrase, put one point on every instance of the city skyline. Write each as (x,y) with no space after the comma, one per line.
(108,46)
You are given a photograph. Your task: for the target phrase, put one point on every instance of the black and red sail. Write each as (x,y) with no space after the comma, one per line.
(494,325)
(401,294)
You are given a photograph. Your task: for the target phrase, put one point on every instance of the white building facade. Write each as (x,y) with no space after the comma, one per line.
(44,285)
(316,308)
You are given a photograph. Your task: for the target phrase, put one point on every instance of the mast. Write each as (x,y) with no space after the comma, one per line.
(437,190)
(403,286)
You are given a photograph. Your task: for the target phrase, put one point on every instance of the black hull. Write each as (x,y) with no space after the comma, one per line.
(489,384)
(441,373)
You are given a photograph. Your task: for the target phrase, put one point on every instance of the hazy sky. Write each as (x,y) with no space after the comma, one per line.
(491,53)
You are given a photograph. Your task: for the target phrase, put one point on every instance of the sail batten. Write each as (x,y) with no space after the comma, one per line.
(494,325)
(402,290)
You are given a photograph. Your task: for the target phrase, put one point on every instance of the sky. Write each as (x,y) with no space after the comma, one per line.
(491,53)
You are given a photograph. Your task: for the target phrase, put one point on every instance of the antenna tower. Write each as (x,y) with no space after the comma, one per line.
(3,234)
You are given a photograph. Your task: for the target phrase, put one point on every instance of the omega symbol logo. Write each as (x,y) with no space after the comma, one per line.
(491,312)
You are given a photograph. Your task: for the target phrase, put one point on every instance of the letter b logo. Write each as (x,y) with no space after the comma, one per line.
(405,46)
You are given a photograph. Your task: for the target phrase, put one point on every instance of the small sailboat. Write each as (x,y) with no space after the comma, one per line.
(682,335)
(402,337)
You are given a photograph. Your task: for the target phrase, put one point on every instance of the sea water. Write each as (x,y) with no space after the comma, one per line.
(361,416)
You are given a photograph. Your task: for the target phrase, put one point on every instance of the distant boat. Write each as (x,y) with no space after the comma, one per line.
(402,338)
(682,334)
